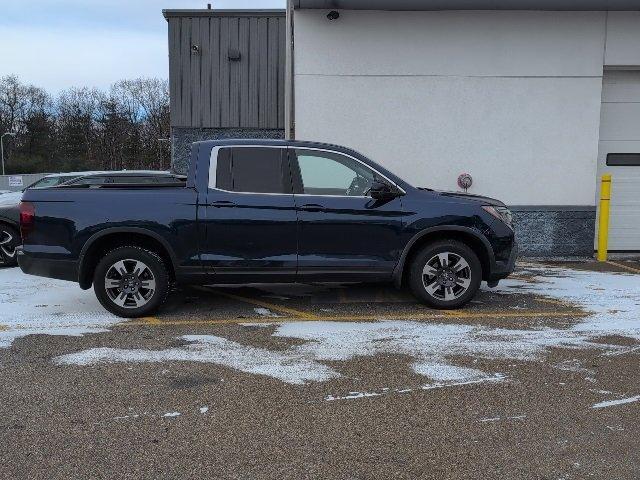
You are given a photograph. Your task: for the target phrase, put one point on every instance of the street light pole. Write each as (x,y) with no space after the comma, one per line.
(12,134)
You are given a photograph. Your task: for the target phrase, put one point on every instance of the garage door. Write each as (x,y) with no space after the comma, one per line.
(619,155)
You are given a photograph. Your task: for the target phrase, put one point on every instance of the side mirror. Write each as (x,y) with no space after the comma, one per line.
(382,191)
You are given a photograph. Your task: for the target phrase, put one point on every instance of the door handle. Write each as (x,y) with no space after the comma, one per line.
(311,207)
(222,203)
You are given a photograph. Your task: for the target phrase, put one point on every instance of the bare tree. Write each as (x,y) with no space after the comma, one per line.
(149,98)
(28,111)
(86,128)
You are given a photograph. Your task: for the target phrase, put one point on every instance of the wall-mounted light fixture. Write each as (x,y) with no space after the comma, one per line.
(333,15)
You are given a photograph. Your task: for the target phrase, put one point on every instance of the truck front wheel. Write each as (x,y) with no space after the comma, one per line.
(445,274)
(131,281)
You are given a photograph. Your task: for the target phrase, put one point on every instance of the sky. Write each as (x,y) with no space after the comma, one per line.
(57,44)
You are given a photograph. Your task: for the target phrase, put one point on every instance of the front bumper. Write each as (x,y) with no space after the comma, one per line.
(502,269)
(47,267)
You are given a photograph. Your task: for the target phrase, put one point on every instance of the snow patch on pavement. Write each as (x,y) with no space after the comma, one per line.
(37,305)
(613,298)
(430,386)
(265,312)
(287,367)
(613,403)
(497,419)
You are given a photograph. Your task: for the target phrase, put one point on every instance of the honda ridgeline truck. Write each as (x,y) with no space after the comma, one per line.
(260,211)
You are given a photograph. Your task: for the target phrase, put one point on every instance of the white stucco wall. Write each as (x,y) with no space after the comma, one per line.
(511,97)
(623,39)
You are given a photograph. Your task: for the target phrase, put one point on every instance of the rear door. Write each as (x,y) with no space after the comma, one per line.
(251,231)
(343,233)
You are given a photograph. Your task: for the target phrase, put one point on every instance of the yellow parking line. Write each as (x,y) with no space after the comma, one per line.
(552,302)
(261,303)
(360,318)
(4,328)
(625,267)
(541,314)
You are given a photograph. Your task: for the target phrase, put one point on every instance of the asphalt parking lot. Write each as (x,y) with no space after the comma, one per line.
(536,379)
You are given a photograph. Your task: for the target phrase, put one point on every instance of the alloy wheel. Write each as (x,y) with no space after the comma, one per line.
(446,276)
(7,245)
(130,283)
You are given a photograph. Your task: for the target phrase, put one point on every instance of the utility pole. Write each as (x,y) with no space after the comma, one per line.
(12,134)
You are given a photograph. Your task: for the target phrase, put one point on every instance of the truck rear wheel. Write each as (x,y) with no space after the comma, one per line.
(445,274)
(131,281)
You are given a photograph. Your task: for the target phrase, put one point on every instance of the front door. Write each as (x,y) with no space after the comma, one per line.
(343,233)
(251,222)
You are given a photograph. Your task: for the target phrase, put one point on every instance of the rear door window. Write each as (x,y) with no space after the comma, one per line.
(253,170)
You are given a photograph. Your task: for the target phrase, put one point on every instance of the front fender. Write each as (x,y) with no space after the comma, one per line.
(399,269)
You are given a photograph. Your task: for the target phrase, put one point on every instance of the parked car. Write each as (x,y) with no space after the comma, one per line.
(9,227)
(55,179)
(136,177)
(266,211)
(10,202)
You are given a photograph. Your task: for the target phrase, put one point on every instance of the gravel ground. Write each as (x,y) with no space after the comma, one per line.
(568,410)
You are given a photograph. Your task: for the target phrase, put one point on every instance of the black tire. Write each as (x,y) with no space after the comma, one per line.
(9,240)
(461,286)
(155,271)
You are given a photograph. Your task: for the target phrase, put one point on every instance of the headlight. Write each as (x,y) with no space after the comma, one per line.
(501,213)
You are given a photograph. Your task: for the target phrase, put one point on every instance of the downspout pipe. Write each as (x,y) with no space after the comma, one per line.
(289,108)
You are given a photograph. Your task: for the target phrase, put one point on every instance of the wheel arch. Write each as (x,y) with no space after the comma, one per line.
(10,223)
(475,240)
(110,238)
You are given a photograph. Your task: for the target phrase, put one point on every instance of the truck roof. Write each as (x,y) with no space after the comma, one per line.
(277,143)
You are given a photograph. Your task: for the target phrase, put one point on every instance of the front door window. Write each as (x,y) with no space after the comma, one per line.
(324,173)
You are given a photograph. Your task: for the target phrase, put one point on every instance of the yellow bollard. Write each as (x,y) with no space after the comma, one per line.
(603,225)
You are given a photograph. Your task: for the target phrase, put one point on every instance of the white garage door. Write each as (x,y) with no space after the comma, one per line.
(619,155)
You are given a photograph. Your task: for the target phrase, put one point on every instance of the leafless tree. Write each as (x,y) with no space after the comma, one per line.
(84,128)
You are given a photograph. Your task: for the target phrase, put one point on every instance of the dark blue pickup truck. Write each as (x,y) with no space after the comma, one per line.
(256,211)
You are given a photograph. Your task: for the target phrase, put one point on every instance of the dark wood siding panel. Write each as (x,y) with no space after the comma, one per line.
(243,65)
(272,74)
(205,72)
(195,80)
(215,89)
(254,72)
(224,73)
(174,69)
(209,90)
(263,61)
(234,74)
(282,28)
(185,72)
